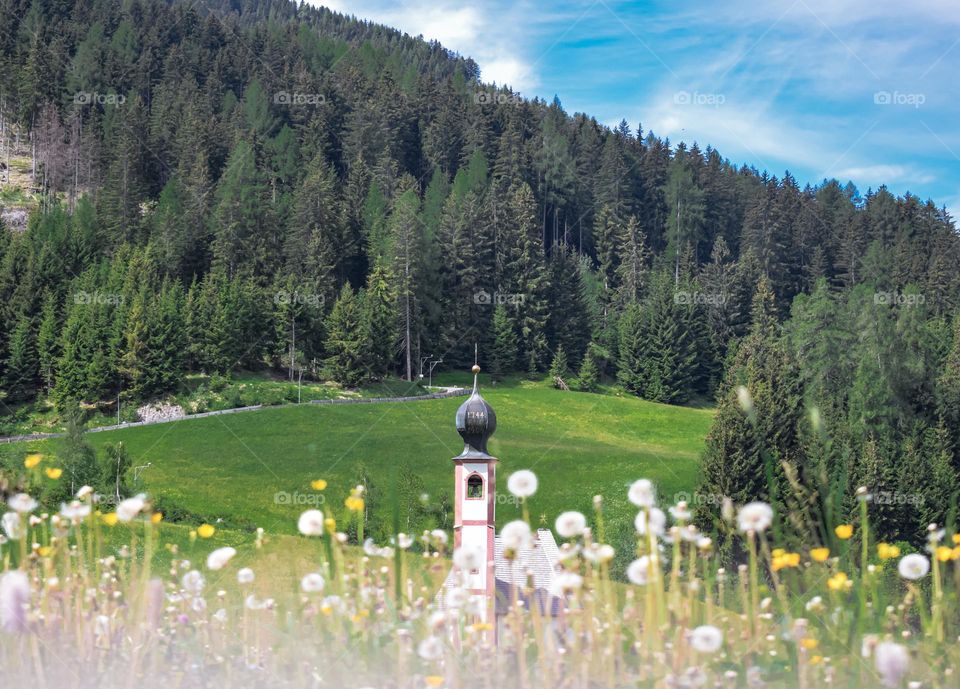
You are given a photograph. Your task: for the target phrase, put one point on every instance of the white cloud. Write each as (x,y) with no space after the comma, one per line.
(493,36)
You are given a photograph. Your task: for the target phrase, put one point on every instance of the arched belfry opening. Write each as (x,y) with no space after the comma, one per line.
(475,487)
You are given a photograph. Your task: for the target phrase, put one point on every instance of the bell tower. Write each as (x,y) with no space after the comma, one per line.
(475,490)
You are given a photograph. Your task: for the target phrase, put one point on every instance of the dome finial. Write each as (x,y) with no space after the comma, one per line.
(476,421)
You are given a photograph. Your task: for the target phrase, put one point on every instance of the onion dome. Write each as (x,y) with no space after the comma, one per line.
(476,422)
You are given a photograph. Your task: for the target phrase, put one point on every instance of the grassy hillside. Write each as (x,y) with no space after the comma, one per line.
(233,467)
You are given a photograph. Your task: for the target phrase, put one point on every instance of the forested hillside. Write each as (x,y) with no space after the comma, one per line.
(255,184)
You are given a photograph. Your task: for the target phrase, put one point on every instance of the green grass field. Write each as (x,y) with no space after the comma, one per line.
(232,468)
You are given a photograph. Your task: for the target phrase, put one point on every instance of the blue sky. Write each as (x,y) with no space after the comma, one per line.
(860,90)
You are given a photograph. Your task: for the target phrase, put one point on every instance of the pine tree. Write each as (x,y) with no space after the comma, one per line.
(346,341)
(559,370)
(48,349)
(380,322)
(503,357)
(752,436)
(588,380)
(22,366)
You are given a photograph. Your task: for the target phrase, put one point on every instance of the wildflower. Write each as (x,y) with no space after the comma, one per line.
(837,582)
(522,483)
(319,484)
(219,558)
(439,536)
(516,535)
(571,524)
(599,553)
(156,517)
(22,503)
(744,399)
(944,553)
(658,521)
(11,525)
(706,639)
(956,539)
(885,551)
(54,473)
(815,604)
(14,600)
(784,560)
(220,615)
(32,460)
(354,503)
(680,512)
(819,554)
(75,511)
(642,493)
(844,531)
(193,582)
(312,583)
(755,517)
(131,507)
(726,510)
(467,559)
(251,602)
(566,582)
(330,524)
(84,492)
(914,566)
(311,523)
(430,648)
(809,643)
(404,541)
(110,519)
(433,680)
(245,576)
(638,571)
(455,598)
(892,661)
(206,530)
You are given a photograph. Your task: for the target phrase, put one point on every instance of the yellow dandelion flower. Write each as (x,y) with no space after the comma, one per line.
(844,531)
(944,553)
(816,660)
(156,517)
(837,582)
(885,551)
(54,473)
(434,680)
(956,539)
(820,554)
(45,551)
(326,610)
(330,524)
(778,552)
(809,643)
(354,504)
(319,484)
(481,626)
(32,460)
(110,519)
(206,531)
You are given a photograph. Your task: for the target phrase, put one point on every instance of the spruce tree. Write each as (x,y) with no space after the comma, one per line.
(559,371)
(22,367)
(346,341)
(588,380)
(503,357)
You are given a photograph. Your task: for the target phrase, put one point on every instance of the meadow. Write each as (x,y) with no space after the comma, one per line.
(254,469)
